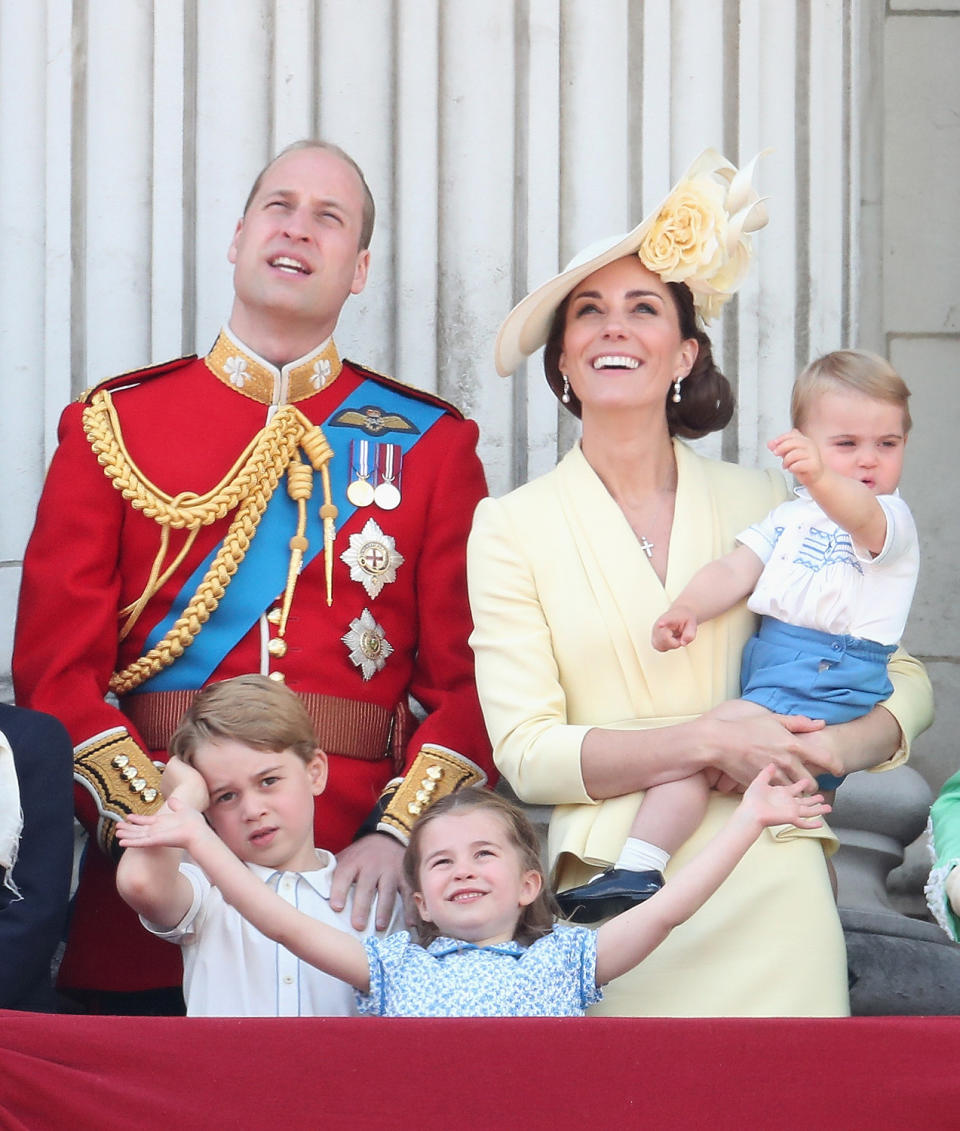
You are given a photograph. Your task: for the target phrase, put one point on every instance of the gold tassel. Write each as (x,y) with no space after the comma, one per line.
(299,488)
(314,443)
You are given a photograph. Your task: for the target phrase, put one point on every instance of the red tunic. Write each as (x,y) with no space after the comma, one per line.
(90,555)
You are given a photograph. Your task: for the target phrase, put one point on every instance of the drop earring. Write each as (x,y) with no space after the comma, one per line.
(676,391)
(565,396)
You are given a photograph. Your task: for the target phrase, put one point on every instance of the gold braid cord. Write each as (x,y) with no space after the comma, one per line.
(247,487)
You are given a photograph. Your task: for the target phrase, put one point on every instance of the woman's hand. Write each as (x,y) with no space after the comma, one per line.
(744,743)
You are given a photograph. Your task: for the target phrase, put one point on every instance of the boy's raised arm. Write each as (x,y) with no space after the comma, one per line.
(179,826)
(713,589)
(149,879)
(850,504)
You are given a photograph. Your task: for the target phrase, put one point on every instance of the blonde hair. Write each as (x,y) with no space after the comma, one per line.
(536,919)
(250,709)
(859,370)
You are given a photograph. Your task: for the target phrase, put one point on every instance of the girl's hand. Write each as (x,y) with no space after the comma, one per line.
(800,456)
(793,804)
(176,825)
(675,629)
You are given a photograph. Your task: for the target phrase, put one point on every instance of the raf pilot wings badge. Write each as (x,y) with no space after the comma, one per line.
(374,421)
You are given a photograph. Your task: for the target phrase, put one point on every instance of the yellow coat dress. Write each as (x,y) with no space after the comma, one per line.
(563,600)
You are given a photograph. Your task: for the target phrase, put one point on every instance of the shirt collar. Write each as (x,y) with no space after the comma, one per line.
(803,493)
(319,879)
(244,371)
(442,946)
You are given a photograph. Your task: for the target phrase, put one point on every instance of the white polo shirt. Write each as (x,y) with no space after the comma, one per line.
(815,577)
(230,969)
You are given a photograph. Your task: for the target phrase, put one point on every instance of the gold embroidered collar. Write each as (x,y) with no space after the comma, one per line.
(244,371)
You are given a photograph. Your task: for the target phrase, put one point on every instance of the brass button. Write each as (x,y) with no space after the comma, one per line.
(274,616)
(120,760)
(277,647)
(149,795)
(138,785)
(434,772)
(128,773)
(278,677)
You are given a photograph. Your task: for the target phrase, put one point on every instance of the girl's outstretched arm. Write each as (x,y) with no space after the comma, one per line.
(625,941)
(335,952)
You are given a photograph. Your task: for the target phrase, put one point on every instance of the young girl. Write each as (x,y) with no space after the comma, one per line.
(832,574)
(487,946)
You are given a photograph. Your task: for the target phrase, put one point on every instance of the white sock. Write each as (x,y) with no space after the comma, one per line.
(641,856)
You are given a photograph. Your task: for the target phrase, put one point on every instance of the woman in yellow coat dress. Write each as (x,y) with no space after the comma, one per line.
(568,573)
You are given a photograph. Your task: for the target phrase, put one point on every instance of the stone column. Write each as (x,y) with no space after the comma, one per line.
(898,964)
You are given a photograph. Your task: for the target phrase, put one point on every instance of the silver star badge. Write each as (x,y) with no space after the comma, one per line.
(369,648)
(372,557)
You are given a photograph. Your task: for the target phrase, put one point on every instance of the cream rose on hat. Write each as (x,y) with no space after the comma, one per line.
(699,235)
(686,236)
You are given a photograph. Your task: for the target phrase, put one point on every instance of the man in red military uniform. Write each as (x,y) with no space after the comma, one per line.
(267,508)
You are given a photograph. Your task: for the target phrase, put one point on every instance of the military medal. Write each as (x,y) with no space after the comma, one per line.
(372,558)
(360,491)
(387,492)
(369,647)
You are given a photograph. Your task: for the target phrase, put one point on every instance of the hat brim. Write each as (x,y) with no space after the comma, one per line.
(526,327)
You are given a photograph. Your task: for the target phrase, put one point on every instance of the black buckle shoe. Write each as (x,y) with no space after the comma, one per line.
(616,890)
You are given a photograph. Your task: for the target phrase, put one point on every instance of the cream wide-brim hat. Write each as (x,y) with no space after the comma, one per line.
(702,240)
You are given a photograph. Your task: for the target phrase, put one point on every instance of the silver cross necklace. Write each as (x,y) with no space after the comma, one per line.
(645,544)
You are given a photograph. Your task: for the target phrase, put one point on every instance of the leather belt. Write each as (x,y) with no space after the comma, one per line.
(349,727)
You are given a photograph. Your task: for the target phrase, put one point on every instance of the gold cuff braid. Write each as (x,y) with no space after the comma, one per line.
(436,772)
(121,779)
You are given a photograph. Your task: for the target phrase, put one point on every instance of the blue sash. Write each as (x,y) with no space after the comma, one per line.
(262,575)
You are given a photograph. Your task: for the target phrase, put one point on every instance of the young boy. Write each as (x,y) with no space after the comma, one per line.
(246,754)
(832,573)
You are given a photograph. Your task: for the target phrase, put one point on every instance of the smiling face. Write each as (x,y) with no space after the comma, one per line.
(472,883)
(261,802)
(858,437)
(622,346)
(296,251)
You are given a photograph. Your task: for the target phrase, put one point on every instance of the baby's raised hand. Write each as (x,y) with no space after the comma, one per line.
(176,825)
(186,782)
(784,804)
(675,629)
(800,456)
